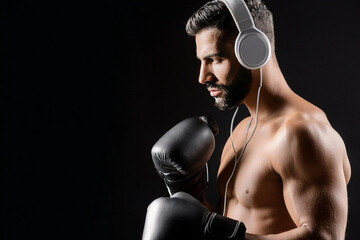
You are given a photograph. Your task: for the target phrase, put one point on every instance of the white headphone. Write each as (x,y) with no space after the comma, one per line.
(252,47)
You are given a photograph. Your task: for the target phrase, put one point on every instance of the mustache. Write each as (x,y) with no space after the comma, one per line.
(213,85)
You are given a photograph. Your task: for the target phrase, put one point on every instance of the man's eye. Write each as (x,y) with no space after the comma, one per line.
(216,60)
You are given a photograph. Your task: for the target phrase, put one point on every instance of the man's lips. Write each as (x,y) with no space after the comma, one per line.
(214,92)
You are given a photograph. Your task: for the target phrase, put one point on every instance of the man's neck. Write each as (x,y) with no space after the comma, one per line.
(274,92)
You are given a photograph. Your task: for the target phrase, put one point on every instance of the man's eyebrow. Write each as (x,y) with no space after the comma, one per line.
(218,54)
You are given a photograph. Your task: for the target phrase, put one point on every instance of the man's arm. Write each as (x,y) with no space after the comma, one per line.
(314,181)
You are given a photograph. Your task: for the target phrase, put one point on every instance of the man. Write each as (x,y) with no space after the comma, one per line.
(290,177)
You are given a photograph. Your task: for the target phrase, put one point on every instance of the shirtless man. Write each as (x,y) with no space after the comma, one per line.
(286,181)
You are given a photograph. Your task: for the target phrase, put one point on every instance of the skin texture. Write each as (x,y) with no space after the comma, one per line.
(291,182)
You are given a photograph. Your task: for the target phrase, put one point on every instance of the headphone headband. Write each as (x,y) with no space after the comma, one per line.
(241,14)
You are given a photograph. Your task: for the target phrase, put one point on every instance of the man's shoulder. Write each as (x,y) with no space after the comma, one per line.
(307,138)
(311,122)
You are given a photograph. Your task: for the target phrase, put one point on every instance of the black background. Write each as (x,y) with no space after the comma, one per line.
(88,87)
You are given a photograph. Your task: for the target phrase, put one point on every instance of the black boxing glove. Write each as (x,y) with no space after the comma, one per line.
(184,217)
(181,154)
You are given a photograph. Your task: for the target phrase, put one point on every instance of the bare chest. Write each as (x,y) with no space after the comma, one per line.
(251,183)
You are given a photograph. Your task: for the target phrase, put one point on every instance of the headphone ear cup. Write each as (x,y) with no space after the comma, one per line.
(252,49)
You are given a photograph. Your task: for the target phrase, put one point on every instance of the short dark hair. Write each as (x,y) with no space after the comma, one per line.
(215,14)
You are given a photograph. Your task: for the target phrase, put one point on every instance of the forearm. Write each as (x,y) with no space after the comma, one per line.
(300,233)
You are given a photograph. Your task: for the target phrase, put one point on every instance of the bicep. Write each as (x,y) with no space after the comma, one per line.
(314,185)
(322,207)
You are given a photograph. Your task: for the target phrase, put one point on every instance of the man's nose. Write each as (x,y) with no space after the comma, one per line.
(205,74)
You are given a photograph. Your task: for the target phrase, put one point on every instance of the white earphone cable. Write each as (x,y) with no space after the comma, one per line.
(237,159)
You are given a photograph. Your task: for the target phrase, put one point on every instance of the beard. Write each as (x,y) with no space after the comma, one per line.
(234,93)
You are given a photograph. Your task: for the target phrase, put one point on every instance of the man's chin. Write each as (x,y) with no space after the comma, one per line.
(222,104)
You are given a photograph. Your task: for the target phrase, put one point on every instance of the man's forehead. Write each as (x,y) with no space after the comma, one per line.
(209,41)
